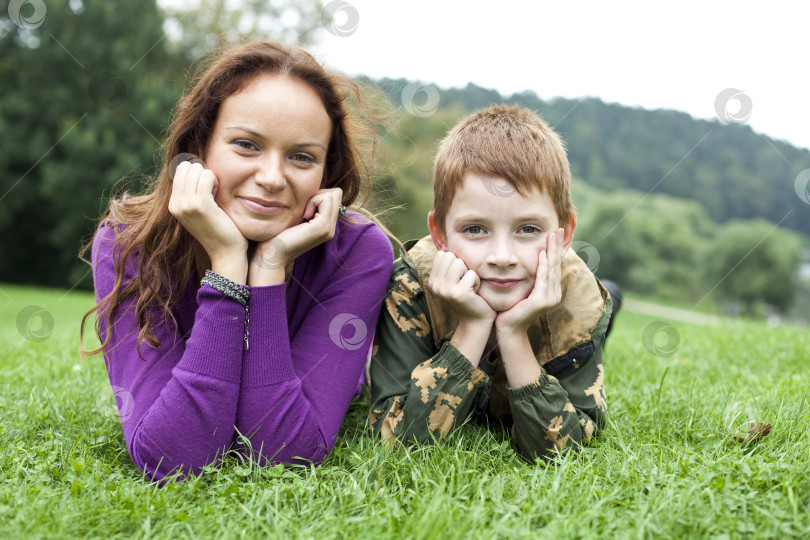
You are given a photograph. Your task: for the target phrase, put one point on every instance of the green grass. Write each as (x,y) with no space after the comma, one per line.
(667,465)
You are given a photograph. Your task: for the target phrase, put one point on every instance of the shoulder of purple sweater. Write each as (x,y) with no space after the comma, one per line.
(362,240)
(105,245)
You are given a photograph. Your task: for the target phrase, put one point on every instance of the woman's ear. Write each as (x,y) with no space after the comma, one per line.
(436,232)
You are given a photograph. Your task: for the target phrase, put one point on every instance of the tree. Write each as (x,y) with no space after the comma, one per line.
(197,25)
(86,96)
(755,262)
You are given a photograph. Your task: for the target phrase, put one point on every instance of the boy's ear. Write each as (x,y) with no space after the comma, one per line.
(436,232)
(568,234)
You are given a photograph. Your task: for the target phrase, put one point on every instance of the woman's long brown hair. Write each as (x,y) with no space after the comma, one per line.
(168,256)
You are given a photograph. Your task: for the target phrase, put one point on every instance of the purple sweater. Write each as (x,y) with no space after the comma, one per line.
(181,406)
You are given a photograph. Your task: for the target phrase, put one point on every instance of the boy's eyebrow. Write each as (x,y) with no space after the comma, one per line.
(470,217)
(260,136)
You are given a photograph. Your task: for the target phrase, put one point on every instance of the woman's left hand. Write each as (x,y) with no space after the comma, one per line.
(270,261)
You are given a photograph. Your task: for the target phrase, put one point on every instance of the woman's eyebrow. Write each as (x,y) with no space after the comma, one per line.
(246,130)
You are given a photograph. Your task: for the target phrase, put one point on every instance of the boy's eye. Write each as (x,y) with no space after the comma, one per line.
(474,230)
(529,229)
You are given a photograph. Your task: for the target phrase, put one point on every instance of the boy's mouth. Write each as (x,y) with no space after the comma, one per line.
(502,283)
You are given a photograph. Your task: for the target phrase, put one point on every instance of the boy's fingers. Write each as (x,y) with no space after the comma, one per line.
(470,280)
(457,270)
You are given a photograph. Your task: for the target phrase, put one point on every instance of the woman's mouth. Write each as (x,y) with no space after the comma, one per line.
(263,206)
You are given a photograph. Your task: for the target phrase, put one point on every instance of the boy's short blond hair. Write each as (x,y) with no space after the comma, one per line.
(506,141)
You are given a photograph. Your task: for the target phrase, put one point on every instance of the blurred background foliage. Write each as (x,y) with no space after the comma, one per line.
(673,207)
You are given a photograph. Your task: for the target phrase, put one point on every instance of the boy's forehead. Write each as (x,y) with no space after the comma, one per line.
(492,197)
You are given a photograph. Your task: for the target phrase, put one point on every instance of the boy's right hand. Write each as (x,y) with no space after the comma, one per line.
(192,203)
(451,281)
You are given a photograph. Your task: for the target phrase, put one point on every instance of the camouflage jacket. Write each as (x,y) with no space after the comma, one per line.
(422,386)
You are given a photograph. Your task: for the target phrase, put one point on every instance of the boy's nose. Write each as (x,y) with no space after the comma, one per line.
(502,255)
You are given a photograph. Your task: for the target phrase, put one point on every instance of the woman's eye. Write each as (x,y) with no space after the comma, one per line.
(303,158)
(243,144)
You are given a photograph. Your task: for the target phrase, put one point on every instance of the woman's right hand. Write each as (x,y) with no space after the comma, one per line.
(192,203)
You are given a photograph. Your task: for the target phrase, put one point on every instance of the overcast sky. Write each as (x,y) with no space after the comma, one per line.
(649,54)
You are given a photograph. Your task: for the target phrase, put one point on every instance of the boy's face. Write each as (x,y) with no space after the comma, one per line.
(499,234)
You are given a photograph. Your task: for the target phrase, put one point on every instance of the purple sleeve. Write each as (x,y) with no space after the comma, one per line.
(177,404)
(297,386)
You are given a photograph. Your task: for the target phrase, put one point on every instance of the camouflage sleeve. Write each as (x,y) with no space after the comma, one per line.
(417,392)
(561,410)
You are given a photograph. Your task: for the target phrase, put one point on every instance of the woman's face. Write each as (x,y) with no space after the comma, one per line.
(268,151)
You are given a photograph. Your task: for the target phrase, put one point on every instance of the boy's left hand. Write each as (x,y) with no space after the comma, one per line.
(546,294)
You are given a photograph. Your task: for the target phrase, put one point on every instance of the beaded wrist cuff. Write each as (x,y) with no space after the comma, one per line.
(240,293)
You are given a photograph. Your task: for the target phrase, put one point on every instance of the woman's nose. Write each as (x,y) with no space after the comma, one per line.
(270,173)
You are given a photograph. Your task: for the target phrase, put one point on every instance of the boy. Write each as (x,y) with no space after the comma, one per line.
(493,314)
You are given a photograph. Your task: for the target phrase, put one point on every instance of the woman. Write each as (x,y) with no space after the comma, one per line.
(237,299)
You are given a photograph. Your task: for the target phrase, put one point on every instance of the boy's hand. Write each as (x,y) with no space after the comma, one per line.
(272,257)
(455,284)
(546,294)
(192,203)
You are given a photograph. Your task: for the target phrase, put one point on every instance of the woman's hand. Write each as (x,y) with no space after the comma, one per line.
(546,294)
(272,258)
(192,203)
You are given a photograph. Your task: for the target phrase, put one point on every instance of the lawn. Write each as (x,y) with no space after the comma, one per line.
(669,464)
